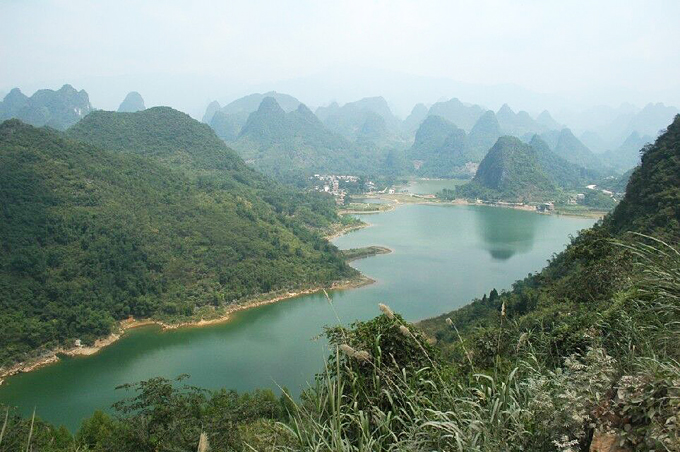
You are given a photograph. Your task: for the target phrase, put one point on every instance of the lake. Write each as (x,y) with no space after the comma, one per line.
(443,256)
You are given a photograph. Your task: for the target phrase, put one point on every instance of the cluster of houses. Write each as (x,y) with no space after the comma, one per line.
(337,185)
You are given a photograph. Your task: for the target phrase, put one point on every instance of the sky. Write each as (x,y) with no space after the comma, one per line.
(531,54)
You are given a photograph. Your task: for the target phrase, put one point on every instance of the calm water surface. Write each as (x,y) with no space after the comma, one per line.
(443,257)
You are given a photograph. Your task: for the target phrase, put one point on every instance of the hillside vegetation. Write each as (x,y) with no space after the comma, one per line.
(511,171)
(164,222)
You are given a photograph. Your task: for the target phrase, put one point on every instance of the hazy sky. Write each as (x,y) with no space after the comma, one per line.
(186,53)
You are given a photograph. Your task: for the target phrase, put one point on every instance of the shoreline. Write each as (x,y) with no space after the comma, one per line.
(221,316)
(404,199)
(345,230)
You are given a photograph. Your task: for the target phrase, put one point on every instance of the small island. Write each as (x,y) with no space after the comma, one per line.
(353,254)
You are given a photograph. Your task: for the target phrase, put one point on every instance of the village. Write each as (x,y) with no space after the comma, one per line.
(340,186)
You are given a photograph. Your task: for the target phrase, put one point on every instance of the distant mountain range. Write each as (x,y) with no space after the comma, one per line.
(283,143)
(605,128)
(462,115)
(434,156)
(441,149)
(57,109)
(370,131)
(366,117)
(627,155)
(228,121)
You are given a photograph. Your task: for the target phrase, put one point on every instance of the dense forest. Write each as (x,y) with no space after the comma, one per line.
(580,356)
(155,218)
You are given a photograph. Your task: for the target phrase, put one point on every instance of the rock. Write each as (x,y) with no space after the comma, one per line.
(607,442)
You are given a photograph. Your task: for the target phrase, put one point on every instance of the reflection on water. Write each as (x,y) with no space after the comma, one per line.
(506,233)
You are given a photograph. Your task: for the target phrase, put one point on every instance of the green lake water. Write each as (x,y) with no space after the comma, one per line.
(443,257)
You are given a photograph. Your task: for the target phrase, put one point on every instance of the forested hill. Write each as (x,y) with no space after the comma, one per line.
(652,201)
(177,141)
(511,171)
(563,173)
(91,236)
(167,135)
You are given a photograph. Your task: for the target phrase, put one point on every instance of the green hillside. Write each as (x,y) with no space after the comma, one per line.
(176,140)
(651,203)
(228,126)
(413,120)
(430,137)
(441,149)
(511,171)
(92,236)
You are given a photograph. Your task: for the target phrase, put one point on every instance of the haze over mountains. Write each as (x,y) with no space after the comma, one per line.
(370,124)
(449,138)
